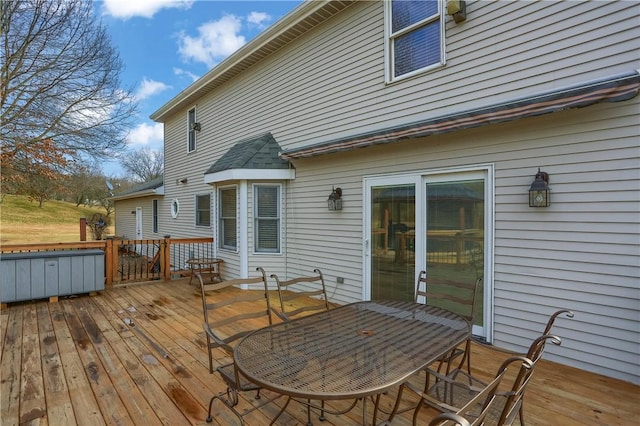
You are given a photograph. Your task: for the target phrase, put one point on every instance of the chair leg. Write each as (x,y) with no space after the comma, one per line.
(231,400)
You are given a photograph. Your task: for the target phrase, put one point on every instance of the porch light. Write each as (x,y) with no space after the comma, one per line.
(334,202)
(457,9)
(539,193)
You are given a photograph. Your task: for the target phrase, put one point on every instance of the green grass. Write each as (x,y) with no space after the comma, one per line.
(18,209)
(22,221)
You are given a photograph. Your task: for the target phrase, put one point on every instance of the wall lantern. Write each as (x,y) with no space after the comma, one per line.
(334,202)
(539,193)
(195,126)
(457,9)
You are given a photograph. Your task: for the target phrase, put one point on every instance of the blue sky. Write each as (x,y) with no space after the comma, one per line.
(166,45)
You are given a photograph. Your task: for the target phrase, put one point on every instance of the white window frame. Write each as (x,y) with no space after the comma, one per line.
(389,58)
(256,219)
(191,131)
(220,218)
(197,209)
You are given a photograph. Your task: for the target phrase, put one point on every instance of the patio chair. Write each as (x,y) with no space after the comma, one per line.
(452,390)
(226,320)
(476,401)
(294,295)
(459,297)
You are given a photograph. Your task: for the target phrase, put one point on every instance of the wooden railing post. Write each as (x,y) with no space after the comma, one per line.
(116,259)
(108,262)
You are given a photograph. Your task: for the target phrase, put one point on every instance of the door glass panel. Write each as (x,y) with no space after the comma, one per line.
(392,242)
(455,236)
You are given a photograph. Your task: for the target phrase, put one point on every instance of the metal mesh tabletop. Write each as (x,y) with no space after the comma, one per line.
(352,351)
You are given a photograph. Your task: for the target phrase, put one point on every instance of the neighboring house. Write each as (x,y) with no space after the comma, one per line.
(433,131)
(137,210)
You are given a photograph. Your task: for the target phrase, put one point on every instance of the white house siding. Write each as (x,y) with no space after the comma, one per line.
(581,253)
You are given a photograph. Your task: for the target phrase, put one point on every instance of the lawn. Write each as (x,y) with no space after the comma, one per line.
(22,221)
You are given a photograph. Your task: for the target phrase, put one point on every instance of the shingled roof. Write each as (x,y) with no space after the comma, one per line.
(152,187)
(262,152)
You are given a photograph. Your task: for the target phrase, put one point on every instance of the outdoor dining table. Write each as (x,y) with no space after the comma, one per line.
(351,352)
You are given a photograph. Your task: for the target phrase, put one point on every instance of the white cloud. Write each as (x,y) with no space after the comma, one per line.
(146,134)
(149,88)
(180,72)
(215,41)
(258,19)
(125,9)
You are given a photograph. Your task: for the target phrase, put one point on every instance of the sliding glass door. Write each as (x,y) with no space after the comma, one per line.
(432,222)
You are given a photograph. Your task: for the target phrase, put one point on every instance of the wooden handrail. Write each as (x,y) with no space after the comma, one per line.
(111,249)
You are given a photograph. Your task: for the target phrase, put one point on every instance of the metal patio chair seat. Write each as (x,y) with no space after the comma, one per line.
(461,296)
(453,390)
(472,402)
(226,320)
(297,290)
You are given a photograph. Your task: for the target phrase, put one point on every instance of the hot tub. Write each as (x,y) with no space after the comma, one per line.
(38,275)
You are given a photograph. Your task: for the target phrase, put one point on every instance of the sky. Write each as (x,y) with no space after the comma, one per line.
(165,45)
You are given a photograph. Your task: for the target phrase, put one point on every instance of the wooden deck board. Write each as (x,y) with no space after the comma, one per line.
(58,401)
(76,361)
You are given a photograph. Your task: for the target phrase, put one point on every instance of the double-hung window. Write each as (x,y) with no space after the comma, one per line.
(415,37)
(203,210)
(267,221)
(227,214)
(191,130)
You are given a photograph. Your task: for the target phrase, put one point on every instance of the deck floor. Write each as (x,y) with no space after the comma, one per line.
(77,361)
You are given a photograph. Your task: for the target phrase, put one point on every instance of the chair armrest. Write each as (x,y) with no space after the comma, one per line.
(438,405)
(219,342)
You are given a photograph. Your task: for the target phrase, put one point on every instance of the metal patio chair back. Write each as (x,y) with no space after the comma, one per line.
(294,295)
(473,402)
(451,391)
(228,318)
(459,297)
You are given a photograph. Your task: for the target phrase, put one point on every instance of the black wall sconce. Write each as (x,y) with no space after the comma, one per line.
(195,126)
(539,192)
(334,202)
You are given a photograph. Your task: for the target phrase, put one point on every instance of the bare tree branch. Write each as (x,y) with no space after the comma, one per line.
(144,164)
(59,81)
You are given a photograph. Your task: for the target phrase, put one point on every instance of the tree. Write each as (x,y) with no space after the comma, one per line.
(39,186)
(60,94)
(145,163)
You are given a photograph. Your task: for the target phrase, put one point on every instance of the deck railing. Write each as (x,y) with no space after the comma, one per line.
(134,260)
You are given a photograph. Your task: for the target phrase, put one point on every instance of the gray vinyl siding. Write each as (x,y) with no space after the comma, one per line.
(340,85)
(581,253)
(125,221)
